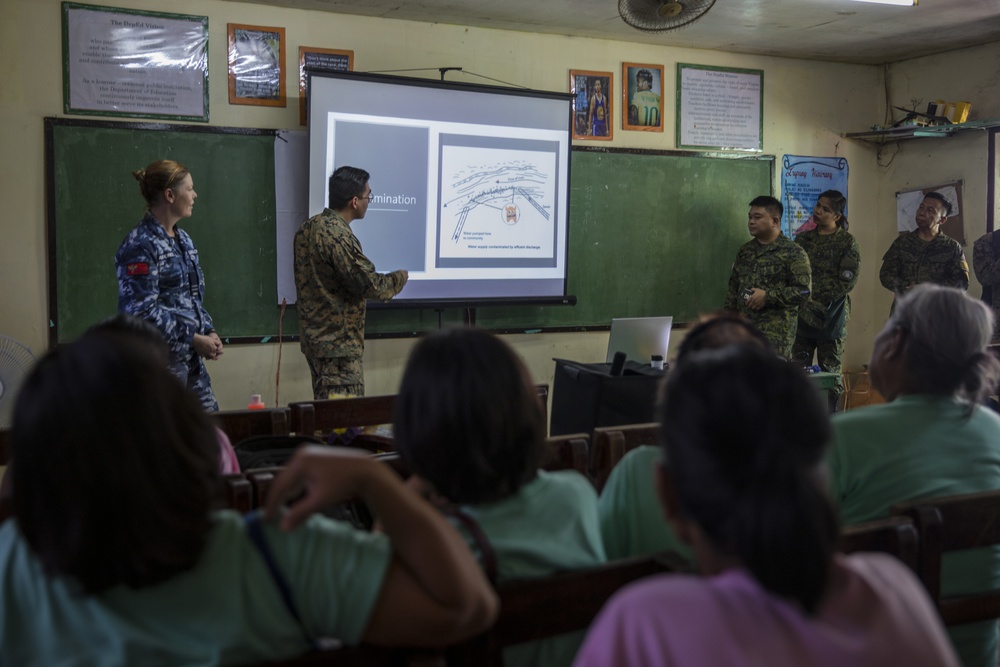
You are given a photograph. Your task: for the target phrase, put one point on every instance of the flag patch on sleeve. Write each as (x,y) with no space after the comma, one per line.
(137,269)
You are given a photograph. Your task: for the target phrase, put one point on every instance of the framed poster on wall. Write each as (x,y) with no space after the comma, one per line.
(720,108)
(124,62)
(256,65)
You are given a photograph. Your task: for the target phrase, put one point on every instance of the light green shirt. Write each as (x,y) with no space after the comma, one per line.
(225,611)
(923,447)
(632,522)
(548,526)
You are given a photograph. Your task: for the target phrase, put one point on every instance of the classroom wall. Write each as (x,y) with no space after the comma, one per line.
(807,105)
(927,162)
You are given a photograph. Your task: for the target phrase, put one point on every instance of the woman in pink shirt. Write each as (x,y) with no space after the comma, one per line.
(744,436)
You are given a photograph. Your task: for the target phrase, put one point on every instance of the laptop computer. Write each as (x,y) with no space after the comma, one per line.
(639,337)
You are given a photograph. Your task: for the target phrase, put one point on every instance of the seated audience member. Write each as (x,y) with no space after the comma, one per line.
(114,557)
(632,522)
(146,333)
(469,425)
(746,491)
(932,438)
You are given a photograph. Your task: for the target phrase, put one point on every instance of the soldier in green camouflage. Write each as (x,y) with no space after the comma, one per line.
(333,279)
(925,255)
(986,263)
(835,259)
(770,278)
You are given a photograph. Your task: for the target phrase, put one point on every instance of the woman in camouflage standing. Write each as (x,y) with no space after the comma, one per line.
(835,260)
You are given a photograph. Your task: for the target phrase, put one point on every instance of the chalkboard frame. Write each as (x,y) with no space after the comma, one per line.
(677,324)
(52,210)
(386,321)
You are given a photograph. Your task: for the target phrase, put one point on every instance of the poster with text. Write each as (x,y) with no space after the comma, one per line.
(122,62)
(803,179)
(719,107)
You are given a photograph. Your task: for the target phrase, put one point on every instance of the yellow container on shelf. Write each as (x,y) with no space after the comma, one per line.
(961,112)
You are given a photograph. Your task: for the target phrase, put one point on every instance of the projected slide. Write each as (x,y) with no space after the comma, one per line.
(470,184)
(496,202)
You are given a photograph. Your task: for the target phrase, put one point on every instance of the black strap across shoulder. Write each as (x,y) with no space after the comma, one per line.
(255,531)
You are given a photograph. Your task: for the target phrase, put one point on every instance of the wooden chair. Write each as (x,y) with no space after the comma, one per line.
(896,536)
(568,452)
(552,606)
(364,656)
(610,443)
(242,424)
(543,396)
(4,446)
(235,493)
(319,418)
(954,523)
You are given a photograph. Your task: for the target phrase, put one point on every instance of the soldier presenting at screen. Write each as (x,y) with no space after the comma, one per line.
(333,279)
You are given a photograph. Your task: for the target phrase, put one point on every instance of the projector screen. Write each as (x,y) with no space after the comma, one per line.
(470,184)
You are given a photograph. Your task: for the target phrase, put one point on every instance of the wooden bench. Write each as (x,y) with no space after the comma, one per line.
(4,446)
(954,523)
(896,536)
(234,493)
(552,606)
(319,418)
(568,452)
(242,424)
(610,443)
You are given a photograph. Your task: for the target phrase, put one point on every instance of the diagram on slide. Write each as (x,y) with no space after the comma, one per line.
(496,203)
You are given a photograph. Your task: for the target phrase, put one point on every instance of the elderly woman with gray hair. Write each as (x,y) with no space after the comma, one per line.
(933,438)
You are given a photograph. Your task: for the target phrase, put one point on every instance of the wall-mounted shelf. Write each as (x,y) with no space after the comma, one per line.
(918,132)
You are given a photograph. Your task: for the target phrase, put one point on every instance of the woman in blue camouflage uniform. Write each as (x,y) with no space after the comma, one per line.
(835,259)
(160,279)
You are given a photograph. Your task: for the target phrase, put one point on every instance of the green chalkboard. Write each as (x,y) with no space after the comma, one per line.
(651,233)
(94,201)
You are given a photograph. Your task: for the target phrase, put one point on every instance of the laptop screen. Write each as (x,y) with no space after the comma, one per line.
(639,337)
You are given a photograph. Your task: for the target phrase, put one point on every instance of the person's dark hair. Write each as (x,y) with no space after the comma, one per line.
(719,330)
(157,177)
(750,480)
(947,334)
(346,183)
(130,325)
(838,202)
(116,466)
(644,74)
(941,198)
(467,418)
(773,206)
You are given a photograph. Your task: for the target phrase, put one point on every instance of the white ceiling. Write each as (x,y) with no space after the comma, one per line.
(829,30)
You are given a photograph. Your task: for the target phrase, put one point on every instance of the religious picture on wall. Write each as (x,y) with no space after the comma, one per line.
(593,106)
(256,65)
(642,97)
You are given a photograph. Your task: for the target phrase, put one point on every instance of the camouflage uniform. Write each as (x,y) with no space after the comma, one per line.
(160,280)
(333,278)
(987,269)
(910,261)
(835,260)
(781,269)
